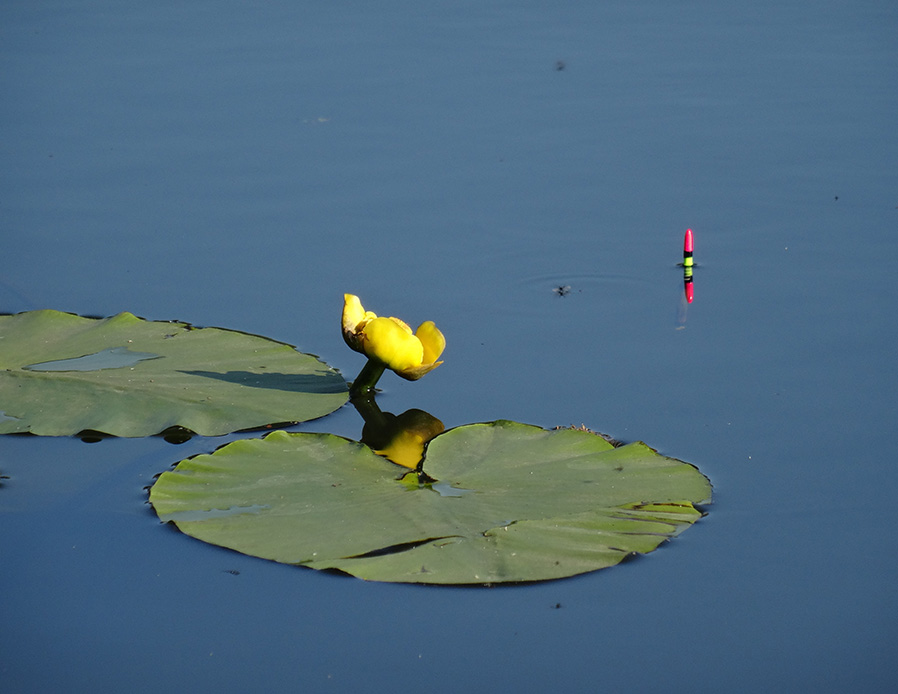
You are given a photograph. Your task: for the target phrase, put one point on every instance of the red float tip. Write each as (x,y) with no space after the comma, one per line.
(687,242)
(689,292)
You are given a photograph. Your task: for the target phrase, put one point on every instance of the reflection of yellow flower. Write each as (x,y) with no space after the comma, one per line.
(400,439)
(390,341)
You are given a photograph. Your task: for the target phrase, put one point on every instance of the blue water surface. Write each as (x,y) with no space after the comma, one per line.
(244,164)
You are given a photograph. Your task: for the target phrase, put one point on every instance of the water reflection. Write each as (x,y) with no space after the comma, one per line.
(398,438)
(686,298)
(112,358)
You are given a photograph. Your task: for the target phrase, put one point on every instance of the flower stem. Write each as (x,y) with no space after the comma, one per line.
(367,378)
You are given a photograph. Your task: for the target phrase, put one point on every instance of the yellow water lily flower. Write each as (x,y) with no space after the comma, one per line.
(390,341)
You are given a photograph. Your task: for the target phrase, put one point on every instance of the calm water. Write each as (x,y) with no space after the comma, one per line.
(242,166)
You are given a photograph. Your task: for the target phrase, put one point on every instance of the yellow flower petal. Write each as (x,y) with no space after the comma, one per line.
(413,374)
(393,344)
(432,340)
(353,312)
(402,324)
(354,319)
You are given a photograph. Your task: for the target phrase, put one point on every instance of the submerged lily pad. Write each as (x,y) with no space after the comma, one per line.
(500,502)
(61,374)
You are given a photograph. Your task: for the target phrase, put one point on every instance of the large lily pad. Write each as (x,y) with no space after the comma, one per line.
(62,374)
(500,502)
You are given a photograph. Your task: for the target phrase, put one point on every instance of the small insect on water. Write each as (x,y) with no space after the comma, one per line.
(562,290)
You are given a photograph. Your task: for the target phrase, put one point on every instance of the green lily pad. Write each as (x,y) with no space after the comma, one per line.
(61,374)
(500,502)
